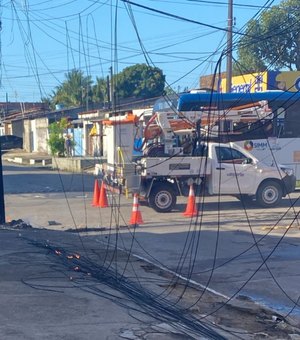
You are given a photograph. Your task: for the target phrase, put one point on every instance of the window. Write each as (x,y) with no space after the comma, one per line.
(201,151)
(228,155)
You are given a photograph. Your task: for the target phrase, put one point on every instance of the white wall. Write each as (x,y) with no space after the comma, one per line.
(40,134)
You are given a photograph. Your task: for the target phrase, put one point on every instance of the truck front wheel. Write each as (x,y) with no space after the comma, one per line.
(162,198)
(269,194)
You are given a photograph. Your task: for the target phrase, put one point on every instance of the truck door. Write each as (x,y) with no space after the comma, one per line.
(232,172)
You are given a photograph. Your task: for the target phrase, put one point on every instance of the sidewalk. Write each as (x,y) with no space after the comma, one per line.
(40,159)
(21,156)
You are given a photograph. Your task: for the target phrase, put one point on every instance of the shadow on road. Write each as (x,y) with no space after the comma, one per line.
(238,205)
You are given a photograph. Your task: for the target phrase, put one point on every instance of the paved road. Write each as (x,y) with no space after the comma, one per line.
(228,249)
(20,179)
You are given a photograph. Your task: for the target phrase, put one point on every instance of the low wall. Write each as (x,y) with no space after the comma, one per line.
(75,164)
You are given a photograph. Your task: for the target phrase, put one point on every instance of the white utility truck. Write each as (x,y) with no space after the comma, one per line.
(168,168)
(216,169)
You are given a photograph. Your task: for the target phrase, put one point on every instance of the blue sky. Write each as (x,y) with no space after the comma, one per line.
(41,40)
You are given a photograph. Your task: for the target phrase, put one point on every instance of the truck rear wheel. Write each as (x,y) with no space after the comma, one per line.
(162,198)
(269,194)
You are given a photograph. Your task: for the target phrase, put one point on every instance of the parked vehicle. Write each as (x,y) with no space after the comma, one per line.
(218,169)
(180,159)
(11,142)
(265,123)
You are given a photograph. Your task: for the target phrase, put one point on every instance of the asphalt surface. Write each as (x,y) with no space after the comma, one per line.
(57,285)
(83,273)
(44,299)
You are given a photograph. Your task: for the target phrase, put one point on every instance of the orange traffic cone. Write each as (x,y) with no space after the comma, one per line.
(95,202)
(102,203)
(136,216)
(191,207)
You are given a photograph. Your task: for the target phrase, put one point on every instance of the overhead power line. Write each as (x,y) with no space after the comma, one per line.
(178,17)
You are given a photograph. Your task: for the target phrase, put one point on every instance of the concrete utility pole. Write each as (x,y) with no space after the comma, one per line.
(229,47)
(108,92)
(2,205)
(112,92)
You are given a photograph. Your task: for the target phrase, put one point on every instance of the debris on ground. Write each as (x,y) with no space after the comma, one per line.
(53,223)
(16,224)
(88,229)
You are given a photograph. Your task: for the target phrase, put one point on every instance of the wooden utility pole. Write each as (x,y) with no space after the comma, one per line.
(229,47)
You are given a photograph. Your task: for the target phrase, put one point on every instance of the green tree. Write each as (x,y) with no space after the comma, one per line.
(56,139)
(273,39)
(75,90)
(140,81)
(250,57)
(100,94)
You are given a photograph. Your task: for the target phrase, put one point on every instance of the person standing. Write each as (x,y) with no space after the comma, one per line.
(68,146)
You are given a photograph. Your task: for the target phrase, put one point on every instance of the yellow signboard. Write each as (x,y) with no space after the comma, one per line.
(288,81)
(263,81)
(255,82)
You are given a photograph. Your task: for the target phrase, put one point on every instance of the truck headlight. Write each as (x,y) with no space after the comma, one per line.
(288,171)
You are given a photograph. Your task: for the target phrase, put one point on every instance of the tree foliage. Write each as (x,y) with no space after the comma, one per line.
(56,139)
(272,41)
(75,90)
(140,81)
(100,91)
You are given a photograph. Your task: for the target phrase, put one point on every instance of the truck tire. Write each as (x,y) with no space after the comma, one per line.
(269,194)
(162,198)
